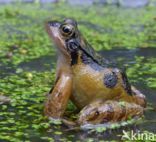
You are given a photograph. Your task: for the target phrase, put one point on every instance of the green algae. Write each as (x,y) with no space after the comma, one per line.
(21,26)
(26,109)
(146,69)
(23,38)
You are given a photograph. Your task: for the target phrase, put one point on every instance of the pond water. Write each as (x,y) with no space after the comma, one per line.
(130,58)
(27,65)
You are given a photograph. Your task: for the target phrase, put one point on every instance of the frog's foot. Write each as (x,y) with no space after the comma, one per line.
(139,98)
(109,111)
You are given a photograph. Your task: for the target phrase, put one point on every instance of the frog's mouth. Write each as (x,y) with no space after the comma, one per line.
(52,28)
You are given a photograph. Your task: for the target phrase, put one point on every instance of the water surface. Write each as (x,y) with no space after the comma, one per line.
(128,58)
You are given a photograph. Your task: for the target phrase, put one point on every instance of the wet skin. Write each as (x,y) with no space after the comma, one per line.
(96,86)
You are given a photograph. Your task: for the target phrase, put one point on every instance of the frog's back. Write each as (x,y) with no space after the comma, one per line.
(95,77)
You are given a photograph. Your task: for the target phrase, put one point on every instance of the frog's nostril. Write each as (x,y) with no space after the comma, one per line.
(53,23)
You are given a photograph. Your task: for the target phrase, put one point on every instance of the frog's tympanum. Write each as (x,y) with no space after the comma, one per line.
(98,88)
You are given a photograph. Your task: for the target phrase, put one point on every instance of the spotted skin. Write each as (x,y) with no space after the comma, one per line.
(110,111)
(110,80)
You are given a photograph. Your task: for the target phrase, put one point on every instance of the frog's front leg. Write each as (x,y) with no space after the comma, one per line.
(58,98)
(110,111)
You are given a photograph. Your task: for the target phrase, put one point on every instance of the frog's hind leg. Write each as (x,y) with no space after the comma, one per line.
(139,98)
(109,111)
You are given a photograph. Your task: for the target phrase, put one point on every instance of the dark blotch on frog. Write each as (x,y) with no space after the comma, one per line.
(110,79)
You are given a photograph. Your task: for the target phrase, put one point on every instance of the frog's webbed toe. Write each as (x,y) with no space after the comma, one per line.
(109,111)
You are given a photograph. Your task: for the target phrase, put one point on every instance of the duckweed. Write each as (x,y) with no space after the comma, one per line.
(23,39)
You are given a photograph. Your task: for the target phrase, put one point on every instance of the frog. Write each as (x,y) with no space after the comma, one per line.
(95,85)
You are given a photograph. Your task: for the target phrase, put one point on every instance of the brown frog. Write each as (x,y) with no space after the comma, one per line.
(96,86)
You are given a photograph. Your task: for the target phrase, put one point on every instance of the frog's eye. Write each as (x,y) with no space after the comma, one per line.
(67,30)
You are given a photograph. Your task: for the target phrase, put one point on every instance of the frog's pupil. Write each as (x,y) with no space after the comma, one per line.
(66,29)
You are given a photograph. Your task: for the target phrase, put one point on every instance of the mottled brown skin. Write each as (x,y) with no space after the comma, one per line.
(89,80)
(110,111)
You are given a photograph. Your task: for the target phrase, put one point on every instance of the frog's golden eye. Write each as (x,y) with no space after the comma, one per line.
(67,30)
